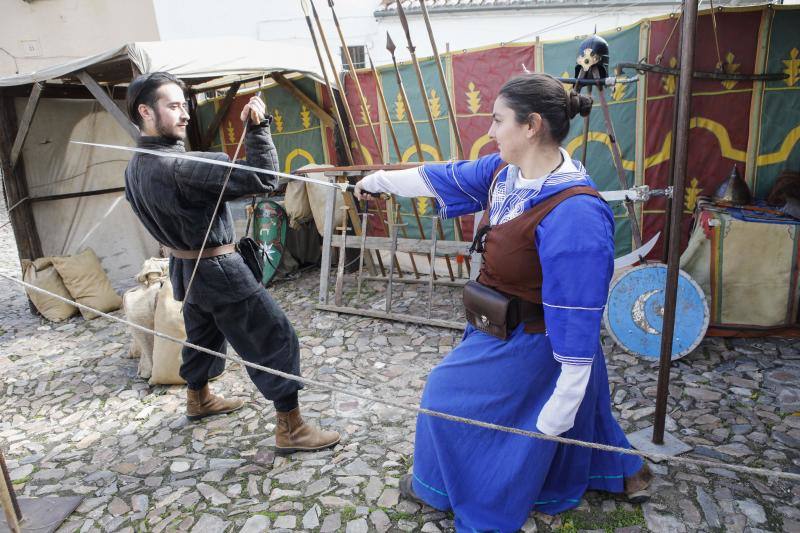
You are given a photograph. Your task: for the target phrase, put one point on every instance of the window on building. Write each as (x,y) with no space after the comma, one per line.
(357,54)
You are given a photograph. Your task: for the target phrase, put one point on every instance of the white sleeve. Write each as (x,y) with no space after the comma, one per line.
(558,414)
(407,182)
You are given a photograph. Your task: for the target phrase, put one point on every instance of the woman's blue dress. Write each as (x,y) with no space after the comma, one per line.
(492,480)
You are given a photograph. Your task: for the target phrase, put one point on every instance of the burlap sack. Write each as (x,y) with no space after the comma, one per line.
(139,304)
(153,269)
(87,282)
(296,204)
(41,273)
(140,308)
(167,354)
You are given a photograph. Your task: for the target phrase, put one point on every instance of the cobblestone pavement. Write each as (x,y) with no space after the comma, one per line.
(76,420)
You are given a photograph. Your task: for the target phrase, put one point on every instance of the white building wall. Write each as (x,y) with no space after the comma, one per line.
(282,19)
(39,33)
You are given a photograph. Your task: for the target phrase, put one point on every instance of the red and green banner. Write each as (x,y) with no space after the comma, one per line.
(720,110)
(296,130)
(754,126)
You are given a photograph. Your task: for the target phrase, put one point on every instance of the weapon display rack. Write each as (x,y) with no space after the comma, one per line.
(378,257)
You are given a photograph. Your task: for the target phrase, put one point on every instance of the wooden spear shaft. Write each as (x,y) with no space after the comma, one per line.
(331,95)
(423,91)
(353,74)
(347,111)
(402,91)
(415,134)
(393,135)
(448,98)
(385,107)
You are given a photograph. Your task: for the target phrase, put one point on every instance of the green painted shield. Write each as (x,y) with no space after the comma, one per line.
(269,230)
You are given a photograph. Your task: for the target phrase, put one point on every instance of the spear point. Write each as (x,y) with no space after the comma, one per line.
(390,44)
(404,21)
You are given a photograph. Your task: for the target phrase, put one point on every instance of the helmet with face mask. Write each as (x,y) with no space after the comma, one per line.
(592,51)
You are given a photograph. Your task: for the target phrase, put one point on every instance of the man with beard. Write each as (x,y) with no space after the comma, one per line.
(175,199)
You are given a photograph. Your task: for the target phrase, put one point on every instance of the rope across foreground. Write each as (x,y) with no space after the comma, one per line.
(656,457)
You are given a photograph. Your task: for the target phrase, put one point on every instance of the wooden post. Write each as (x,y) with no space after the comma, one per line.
(684,103)
(16,187)
(208,135)
(108,104)
(25,123)
(295,91)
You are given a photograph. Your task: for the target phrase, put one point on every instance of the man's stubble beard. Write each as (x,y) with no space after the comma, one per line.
(166,132)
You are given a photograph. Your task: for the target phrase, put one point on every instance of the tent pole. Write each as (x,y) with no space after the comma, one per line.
(15,185)
(684,102)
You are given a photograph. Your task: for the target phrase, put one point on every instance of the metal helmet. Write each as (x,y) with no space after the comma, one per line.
(733,190)
(593,51)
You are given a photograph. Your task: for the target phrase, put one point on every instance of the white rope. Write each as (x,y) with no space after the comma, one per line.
(657,457)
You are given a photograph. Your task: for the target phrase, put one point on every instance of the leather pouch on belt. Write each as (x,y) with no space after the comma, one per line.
(487,309)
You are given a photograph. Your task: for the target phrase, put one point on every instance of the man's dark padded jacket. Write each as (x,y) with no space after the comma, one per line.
(175,198)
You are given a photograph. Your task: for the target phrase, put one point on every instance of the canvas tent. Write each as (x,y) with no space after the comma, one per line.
(65,197)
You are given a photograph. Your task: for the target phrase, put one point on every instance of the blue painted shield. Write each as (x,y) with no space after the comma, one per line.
(635,311)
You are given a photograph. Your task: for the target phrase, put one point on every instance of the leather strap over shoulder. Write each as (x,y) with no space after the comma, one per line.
(548,205)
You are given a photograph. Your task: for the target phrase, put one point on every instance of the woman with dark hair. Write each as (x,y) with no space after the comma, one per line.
(547,240)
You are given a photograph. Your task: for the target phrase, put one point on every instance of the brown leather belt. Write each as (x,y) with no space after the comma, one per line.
(207,252)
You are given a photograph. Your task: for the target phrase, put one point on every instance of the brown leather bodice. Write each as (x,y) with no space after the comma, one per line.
(510,258)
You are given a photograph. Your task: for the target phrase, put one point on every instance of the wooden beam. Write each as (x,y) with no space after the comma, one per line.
(398,317)
(418,246)
(63,91)
(25,123)
(108,104)
(193,131)
(81,194)
(323,115)
(16,187)
(205,142)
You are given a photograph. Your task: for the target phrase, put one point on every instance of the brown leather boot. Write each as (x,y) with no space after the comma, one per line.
(637,485)
(201,403)
(293,435)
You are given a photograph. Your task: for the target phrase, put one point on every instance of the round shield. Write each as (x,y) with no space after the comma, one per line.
(634,315)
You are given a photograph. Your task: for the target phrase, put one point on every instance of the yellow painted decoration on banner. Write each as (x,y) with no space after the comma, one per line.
(231,133)
(287,167)
(567,86)
(399,107)
(619,92)
(436,105)
(276,114)
(729,67)
(473,98)
(792,68)
(475,151)
(727,150)
(785,150)
(365,153)
(426,149)
(365,116)
(423,204)
(670,82)
(692,192)
(305,116)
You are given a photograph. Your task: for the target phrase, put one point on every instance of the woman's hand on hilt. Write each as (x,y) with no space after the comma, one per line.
(360,192)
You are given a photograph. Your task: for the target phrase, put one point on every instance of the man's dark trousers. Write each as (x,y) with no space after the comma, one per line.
(259,332)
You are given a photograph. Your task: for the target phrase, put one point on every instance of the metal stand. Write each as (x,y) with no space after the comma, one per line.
(31,514)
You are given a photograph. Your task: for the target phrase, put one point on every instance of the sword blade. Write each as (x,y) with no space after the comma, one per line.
(228,164)
(634,256)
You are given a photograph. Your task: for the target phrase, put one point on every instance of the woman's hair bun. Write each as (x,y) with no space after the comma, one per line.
(578,104)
